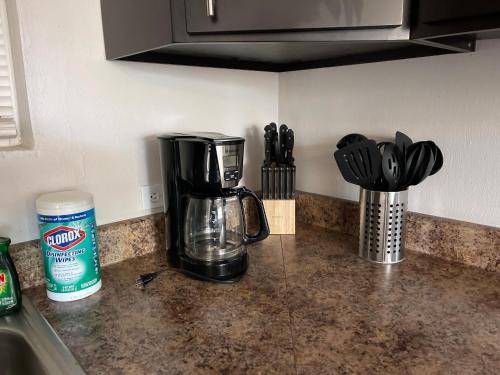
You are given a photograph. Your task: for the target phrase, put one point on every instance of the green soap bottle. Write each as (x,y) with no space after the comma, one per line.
(10,290)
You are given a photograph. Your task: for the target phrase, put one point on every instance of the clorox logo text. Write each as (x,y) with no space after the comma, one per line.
(63,238)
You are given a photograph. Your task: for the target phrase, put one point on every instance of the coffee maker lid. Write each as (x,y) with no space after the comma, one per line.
(206,136)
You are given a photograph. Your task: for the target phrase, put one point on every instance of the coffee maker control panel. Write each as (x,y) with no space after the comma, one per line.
(231,175)
(230,159)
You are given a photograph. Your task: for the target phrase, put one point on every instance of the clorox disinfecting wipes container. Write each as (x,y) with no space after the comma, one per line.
(68,238)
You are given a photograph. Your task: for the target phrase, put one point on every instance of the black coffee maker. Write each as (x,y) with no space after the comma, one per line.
(204,211)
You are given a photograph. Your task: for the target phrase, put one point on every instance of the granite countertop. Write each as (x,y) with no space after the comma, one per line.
(307,305)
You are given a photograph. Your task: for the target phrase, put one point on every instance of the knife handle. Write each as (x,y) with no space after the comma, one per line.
(273,132)
(282,140)
(289,143)
(276,147)
(268,141)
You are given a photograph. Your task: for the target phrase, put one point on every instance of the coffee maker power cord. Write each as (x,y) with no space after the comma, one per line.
(146,278)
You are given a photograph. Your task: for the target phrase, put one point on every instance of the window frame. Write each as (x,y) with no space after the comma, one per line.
(21,122)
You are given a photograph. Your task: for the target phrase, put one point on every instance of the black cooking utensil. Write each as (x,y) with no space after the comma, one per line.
(381,183)
(419,163)
(360,163)
(426,165)
(403,142)
(438,164)
(381,146)
(392,166)
(413,158)
(350,139)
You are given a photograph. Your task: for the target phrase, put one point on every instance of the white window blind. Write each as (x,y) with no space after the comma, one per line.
(9,120)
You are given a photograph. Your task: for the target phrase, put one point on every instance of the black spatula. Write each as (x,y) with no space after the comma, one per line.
(438,164)
(381,184)
(419,162)
(392,166)
(350,139)
(426,165)
(360,163)
(403,142)
(414,156)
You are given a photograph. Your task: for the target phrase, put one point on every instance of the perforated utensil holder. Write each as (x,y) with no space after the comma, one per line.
(382,227)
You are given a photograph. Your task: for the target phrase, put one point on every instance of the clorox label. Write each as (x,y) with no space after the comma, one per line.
(70,253)
(63,238)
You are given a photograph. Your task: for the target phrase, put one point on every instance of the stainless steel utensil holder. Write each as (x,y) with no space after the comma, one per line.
(382,227)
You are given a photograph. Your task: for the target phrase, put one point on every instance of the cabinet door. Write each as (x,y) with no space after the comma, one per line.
(432,11)
(216,16)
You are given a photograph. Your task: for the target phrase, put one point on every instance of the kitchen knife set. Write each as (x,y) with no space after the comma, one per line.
(278,168)
(387,166)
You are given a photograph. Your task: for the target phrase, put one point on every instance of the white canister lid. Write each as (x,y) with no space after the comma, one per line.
(64,202)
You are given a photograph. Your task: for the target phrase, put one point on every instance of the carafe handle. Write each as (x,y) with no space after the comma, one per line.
(264,226)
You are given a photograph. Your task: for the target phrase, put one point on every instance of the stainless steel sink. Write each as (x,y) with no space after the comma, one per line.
(29,345)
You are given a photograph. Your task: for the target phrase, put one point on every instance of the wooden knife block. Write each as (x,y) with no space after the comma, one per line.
(280,215)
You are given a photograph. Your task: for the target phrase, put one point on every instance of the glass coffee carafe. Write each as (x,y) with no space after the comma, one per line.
(214,227)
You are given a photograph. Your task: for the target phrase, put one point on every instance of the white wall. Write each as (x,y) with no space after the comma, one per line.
(95,121)
(453,100)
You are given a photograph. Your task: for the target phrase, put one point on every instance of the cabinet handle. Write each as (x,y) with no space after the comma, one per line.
(211,8)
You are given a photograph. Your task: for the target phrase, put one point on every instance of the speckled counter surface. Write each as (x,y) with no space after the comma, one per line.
(307,305)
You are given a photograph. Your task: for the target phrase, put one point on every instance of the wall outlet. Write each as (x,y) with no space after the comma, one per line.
(152,197)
